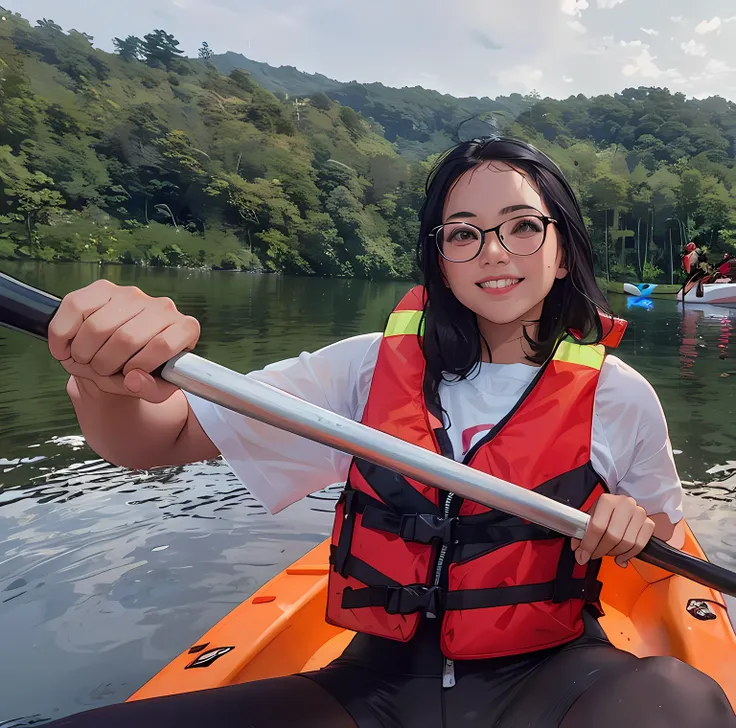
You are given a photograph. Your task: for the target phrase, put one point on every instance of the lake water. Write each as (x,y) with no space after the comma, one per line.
(106,574)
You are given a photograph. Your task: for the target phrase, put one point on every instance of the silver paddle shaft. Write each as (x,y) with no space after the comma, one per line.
(268,404)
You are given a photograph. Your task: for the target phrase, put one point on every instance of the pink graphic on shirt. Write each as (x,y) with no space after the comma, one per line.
(471,432)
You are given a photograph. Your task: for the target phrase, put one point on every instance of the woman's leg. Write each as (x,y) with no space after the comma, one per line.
(282,701)
(656,692)
(602,686)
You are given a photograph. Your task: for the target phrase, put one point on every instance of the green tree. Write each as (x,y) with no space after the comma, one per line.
(161,50)
(321,101)
(352,121)
(130,48)
(49,26)
(29,197)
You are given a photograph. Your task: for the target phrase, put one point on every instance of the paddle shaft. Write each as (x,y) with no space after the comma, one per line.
(30,310)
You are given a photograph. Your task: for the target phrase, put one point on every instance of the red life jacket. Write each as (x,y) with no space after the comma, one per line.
(400,549)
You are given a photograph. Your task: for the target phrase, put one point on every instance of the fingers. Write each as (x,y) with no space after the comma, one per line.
(631,533)
(618,527)
(111,385)
(180,336)
(144,386)
(642,539)
(624,512)
(131,337)
(136,383)
(113,337)
(99,326)
(597,526)
(71,314)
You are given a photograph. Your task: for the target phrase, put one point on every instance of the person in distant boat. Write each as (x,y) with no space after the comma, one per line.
(465,617)
(701,272)
(726,269)
(691,258)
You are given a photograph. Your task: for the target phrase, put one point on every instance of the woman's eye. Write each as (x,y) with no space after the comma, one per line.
(527,227)
(462,236)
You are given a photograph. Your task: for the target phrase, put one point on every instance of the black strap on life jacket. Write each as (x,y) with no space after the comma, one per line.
(340,554)
(394,489)
(471,537)
(430,528)
(433,599)
(397,599)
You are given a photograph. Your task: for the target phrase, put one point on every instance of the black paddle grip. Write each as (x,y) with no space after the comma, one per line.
(670,559)
(25,308)
(30,310)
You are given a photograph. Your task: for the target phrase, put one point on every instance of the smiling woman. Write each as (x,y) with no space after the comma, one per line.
(464,615)
(508,277)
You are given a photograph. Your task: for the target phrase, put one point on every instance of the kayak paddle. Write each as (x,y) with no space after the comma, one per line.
(30,310)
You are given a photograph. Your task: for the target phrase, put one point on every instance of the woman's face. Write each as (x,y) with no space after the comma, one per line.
(498,286)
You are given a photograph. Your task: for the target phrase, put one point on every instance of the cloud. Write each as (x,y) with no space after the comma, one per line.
(485,40)
(649,31)
(567,79)
(693,48)
(717,68)
(522,75)
(608,4)
(676,18)
(643,65)
(632,44)
(714,70)
(708,26)
(338,38)
(574,7)
(577,26)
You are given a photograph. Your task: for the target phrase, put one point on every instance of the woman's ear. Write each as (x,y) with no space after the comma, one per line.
(561,271)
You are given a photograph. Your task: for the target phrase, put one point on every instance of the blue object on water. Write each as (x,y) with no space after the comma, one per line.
(646,289)
(639,302)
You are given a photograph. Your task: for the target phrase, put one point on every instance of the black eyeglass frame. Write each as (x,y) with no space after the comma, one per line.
(546,221)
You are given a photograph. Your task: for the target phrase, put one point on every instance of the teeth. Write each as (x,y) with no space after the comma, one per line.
(504,283)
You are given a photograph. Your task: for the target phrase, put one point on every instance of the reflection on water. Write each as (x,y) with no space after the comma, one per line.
(106,574)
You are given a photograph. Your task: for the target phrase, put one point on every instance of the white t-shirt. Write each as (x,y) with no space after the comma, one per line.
(630,449)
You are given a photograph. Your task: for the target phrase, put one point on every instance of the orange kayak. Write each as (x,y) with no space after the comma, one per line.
(281,630)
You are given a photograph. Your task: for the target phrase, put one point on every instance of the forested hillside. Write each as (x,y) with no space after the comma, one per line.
(145,156)
(418,121)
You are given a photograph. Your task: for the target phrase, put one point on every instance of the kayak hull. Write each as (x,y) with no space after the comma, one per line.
(281,629)
(718,294)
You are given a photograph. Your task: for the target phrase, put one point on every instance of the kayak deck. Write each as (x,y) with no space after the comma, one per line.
(281,630)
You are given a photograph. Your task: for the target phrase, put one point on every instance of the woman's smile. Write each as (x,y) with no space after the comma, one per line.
(499,286)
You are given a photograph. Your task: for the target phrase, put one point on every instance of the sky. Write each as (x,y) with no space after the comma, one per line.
(461,47)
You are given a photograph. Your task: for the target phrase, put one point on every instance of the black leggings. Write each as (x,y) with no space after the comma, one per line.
(585,683)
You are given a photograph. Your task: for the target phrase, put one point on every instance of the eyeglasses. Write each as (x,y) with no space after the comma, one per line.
(460,242)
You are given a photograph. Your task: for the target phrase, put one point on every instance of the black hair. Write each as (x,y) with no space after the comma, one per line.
(452,342)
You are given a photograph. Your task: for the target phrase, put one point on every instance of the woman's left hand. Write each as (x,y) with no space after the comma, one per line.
(618,527)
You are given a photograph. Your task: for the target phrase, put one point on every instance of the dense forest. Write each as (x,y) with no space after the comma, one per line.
(145,156)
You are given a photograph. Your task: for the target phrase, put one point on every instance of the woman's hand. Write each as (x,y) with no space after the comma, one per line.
(618,527)
(114,336)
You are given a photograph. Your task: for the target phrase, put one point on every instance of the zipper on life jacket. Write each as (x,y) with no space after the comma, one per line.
(448,667)
(443,550)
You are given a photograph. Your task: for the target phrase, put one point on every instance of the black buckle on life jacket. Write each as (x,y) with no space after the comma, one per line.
(415,598)
(425,528)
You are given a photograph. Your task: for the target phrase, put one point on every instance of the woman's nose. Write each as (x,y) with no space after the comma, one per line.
(493,253)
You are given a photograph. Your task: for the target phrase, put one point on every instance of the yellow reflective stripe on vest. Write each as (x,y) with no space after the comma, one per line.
(403,323)
(582,354)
